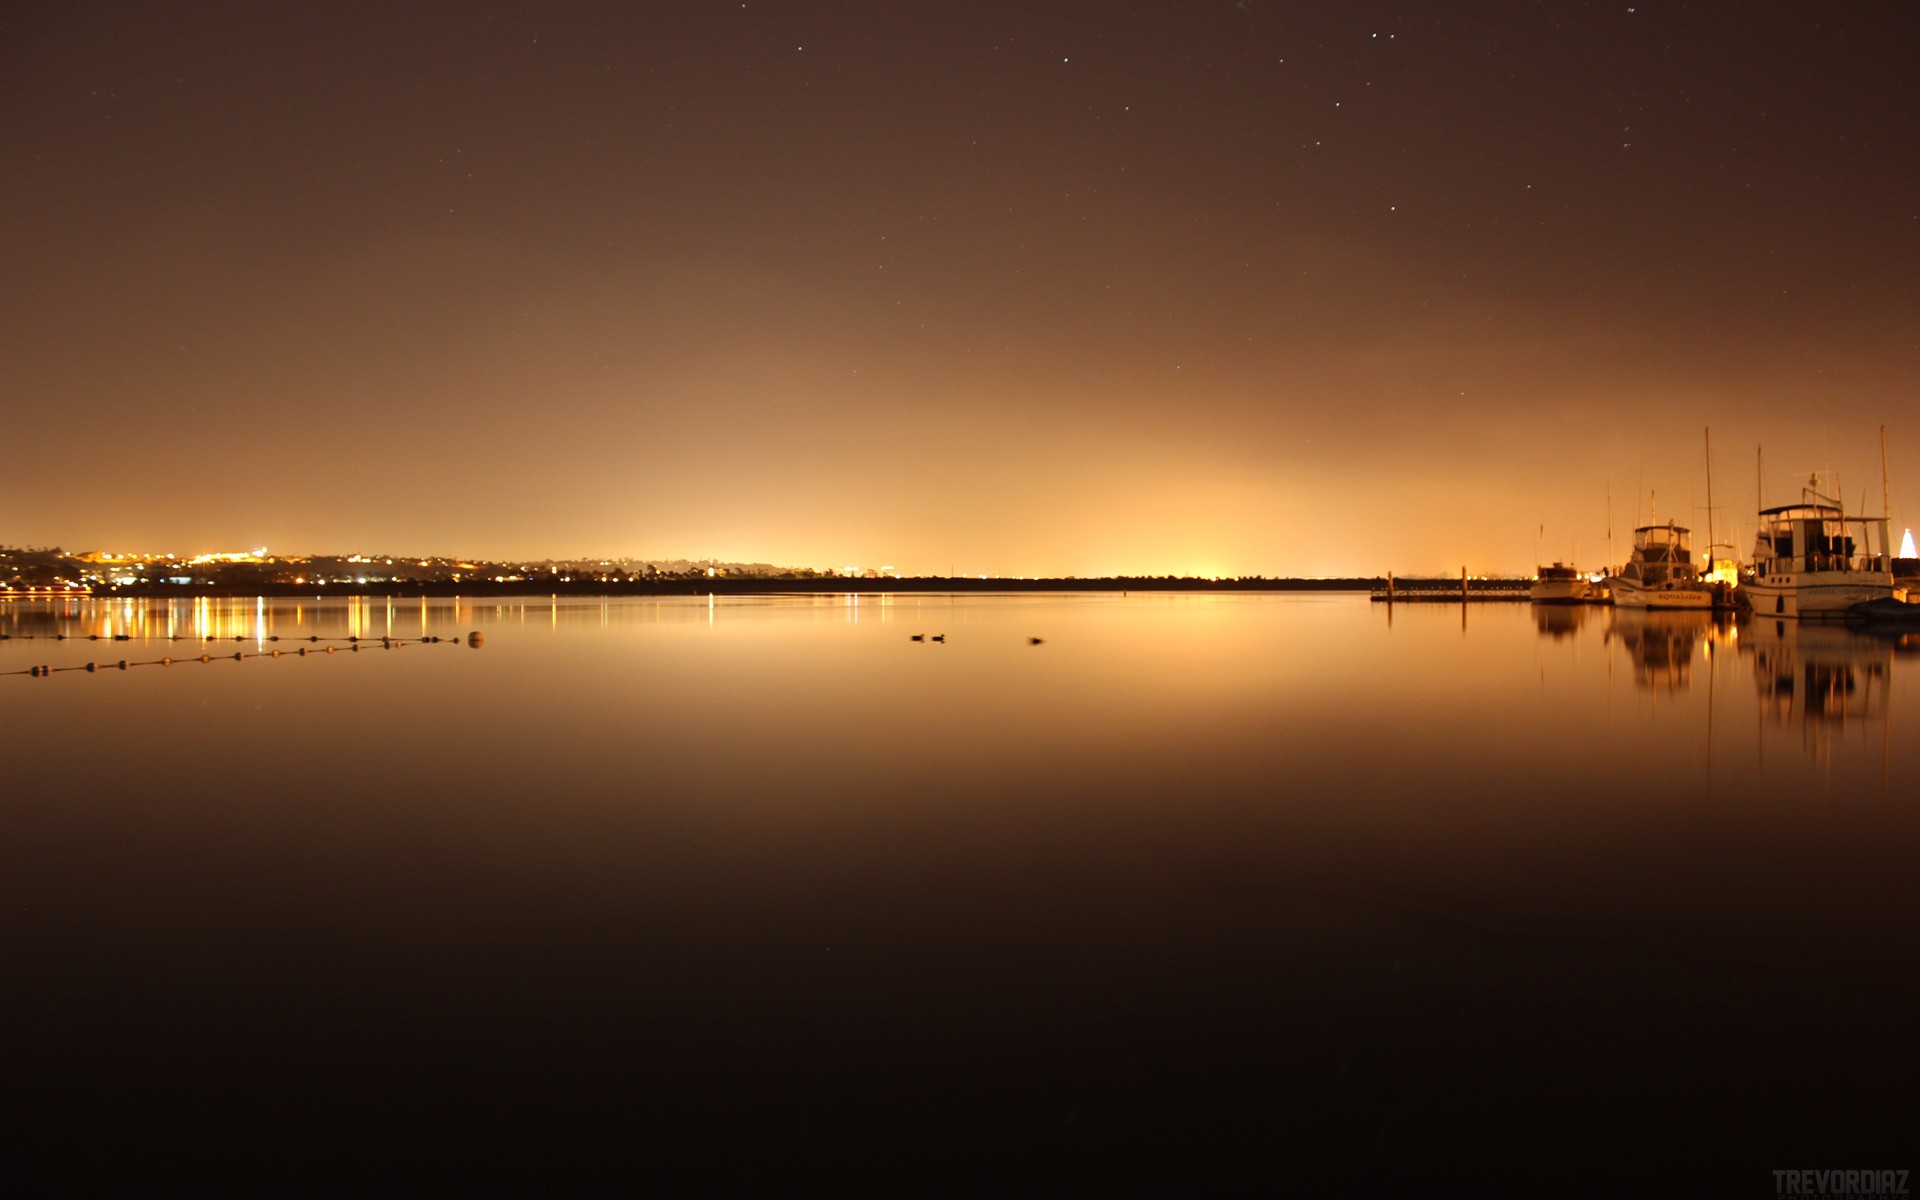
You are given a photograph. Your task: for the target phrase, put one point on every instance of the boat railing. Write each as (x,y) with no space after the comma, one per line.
(1806,563)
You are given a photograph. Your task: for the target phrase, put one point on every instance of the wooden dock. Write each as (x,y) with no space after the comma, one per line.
(1465,591)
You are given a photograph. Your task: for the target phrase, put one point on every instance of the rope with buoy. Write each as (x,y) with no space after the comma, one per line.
(353,645)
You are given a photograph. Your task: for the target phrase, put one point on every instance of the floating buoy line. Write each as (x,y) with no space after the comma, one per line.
(315,645)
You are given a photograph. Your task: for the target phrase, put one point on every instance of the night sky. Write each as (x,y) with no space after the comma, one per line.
(1008,288)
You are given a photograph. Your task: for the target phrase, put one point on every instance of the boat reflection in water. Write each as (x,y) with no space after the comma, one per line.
(1560,620)
(1661,645)
(1829,681)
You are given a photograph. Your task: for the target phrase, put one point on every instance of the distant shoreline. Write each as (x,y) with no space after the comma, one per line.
(725,586)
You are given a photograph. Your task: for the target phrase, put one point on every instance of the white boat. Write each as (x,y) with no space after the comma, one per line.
(1560,584)
(1661,573)
(1812,560)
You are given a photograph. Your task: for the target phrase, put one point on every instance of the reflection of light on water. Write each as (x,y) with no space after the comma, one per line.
(259,619)
(224,619)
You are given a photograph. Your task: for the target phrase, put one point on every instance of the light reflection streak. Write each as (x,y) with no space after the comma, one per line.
(259,619)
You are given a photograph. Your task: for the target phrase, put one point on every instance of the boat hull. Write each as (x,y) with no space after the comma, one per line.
(1676,597)
(1815,595)
(1559,591)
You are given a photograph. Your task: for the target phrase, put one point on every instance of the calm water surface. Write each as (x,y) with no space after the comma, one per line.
(1200,891)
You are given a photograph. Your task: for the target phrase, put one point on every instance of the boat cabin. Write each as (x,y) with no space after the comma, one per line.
(1661,554)
(1795,538)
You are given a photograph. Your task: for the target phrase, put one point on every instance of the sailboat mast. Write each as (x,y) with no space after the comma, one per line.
(1709,433)
(1610,569)
(1886,496)
(1886,501)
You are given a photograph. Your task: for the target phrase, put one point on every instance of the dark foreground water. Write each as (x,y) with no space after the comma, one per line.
(1243,893)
